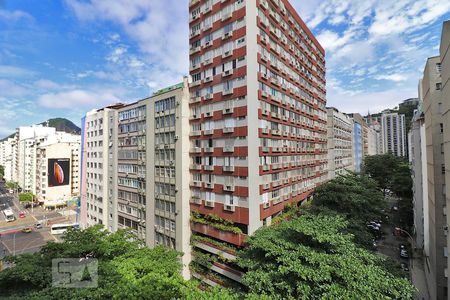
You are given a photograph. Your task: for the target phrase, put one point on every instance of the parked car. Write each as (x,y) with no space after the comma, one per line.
(405,267)
(378,224)
(38,225)
(404,253)
(373,227)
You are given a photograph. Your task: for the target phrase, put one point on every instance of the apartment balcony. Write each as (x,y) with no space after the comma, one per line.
(227,16)
(209,149)
(209,185)
(266,167)
(227,73)
(265,130)
(209,96)
(227,110)
(229,208)
(209,203)
(227,92)
(215,249)
(194,50)
(196,183)
(194,117)
(227,54)
(237,239)
(229,188)
(207,61)
(208,132)
(195,133)
(208,79)
(277,166)
(196,200)
(208,168)
(227,35)
(195,100)
(228,149)
(195,33)
(228,129)
(196,167)
(228,168)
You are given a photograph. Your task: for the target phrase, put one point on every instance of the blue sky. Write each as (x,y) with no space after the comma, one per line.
(61,58)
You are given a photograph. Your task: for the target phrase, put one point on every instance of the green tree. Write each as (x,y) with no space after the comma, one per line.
(381,169)
(127,270)
(310,257)
(2,171)
(12,185)
(26,197)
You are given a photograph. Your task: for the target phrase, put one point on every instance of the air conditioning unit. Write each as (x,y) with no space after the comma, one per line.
(266,205)
(176,138)
(229,207)
(209,203)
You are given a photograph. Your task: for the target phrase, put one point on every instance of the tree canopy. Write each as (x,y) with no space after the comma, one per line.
(127,270)
(310,257)
(390,172)
(26,197)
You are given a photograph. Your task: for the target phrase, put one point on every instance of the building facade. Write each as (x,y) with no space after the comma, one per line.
(418,161)
(436,251)
(393,133)
(444,68)
(339,143)
(98,165)
(57,173)
(258,118)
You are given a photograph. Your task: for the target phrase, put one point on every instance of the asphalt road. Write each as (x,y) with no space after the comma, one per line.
(21,242)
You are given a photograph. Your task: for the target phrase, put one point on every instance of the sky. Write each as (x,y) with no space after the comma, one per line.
(62,58)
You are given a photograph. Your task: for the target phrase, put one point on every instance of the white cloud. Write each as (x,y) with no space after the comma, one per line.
(13,16)
(154,25)
(11,89)
(12,71)
(77,99)
(392,77)
(46,84)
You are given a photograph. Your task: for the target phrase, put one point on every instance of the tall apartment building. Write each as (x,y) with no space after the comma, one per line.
(436,254)
(7,157)
(98,165)
(57,172)
(258,118)
(340,140)
(26,140)
(393,133)
(372,141)
(418,160)
(444,68)
(142,179)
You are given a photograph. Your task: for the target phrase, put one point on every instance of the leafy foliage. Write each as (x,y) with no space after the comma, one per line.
(310,257)
(26,197)
(390,172)
(12,185)
(127,270)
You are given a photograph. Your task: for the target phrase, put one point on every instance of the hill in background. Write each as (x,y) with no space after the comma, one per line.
(61,124)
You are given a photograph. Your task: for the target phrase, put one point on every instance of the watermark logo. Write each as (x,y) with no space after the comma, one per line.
(75,273)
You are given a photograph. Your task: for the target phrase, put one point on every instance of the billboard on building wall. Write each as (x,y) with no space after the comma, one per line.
(58,172)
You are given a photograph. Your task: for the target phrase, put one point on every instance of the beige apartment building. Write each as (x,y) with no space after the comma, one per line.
(57,173)
(340,140)
(444,68)
(98,191)
(435,250)
(141,181)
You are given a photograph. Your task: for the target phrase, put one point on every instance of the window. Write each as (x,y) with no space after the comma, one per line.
(438,86)
(442,127)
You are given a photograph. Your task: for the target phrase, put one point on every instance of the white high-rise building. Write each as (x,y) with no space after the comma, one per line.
(393,132)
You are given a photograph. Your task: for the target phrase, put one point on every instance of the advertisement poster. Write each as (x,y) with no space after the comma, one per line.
(58,172)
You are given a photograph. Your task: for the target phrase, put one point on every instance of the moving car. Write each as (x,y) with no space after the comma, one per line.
(22,214)
(27,229)
(38,225)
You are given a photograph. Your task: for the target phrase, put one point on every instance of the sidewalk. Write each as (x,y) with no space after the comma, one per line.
(418,279)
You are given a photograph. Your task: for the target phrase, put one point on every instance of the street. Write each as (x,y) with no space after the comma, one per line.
(12,239)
